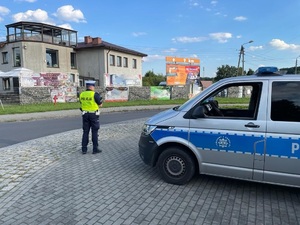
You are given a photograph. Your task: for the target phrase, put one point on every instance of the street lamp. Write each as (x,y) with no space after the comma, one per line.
(296,64)
(242,54)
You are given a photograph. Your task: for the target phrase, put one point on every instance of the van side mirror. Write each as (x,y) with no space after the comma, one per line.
(198,112)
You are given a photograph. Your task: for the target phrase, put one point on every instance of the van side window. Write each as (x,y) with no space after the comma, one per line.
(237,101)
(285,101)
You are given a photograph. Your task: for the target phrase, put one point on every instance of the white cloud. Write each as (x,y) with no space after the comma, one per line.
(189,39)
(221,37)
(171,50)
(214,2)
(281,45)
(137,34)
(66,26)
(240,18)
(31,1)
(153,58)
(4,11)
(254,48)
(193,3)
(34,16)
(68,13)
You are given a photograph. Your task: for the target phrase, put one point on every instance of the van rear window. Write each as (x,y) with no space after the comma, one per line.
(285,101)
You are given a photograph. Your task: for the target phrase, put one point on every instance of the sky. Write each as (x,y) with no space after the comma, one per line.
(211,30)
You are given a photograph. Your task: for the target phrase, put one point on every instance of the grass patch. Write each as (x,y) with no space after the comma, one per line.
(44,107)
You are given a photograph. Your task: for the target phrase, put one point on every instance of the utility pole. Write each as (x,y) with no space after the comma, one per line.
(296,65)
(242,55)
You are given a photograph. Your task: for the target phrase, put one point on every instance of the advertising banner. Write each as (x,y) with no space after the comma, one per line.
(116,94)
(160,93)
(182,71)
(182,74)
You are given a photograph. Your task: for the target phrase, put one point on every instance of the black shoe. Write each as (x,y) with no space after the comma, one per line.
(97,151)
(83,153)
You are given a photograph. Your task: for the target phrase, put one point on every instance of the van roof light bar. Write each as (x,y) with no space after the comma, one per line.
(267,70)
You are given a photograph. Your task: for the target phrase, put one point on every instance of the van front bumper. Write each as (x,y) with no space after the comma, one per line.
(148,149)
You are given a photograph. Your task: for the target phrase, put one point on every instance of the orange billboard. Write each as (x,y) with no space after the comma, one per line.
(182,71)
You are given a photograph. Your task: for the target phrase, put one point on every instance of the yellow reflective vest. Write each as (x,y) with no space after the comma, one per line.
(88,102)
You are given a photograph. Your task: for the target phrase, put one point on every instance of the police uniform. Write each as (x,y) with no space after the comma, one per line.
(90,102)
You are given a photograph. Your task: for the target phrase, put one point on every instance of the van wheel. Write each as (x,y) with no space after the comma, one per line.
(176,166)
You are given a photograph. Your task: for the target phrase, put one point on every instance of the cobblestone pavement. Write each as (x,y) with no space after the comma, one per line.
(49,181)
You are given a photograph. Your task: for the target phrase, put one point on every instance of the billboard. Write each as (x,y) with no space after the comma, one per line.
(116,85)
(182,71)
(160,92)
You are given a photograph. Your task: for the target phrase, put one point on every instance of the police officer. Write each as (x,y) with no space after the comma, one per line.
(90,103)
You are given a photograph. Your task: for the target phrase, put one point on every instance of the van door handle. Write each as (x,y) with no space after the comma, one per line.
(252,125)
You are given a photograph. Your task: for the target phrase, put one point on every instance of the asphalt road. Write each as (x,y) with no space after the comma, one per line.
(16,132)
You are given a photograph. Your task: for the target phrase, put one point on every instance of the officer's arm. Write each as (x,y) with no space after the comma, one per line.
(98,99)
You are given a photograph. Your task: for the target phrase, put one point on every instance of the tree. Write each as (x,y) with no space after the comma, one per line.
(225,71)
(250,72)
(290,70)
(151,79)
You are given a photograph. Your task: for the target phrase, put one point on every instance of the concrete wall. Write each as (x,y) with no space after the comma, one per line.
(138,93)
(30,95)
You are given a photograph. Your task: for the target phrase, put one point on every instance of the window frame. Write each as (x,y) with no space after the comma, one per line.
(73,59)
(50,53)
(112,60)
(6,83)
(17,57)
(125,62)
(134,63)
(119,61)
(4,57)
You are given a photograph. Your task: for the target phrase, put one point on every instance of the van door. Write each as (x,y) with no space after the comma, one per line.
(230,137)
(282,160)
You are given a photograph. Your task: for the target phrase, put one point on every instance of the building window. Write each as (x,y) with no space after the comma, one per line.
(119,61)
(72,78)
(52,57)
(134,65)
(6,84)
(4,57)
(125,62)
(17,57)
(81,84)
(73,60)
(112,60)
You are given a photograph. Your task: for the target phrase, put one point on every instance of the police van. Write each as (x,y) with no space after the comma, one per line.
(245,127)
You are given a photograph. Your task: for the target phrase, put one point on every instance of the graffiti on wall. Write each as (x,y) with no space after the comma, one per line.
(159,92)
(116,94)
(64,94)
(62,89)
(117,86)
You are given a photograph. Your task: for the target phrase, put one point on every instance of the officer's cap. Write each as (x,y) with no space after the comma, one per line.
(90,83)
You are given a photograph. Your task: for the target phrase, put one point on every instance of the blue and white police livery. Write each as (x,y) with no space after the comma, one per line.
(245,127)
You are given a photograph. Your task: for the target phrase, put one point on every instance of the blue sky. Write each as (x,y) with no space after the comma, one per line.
(212,31)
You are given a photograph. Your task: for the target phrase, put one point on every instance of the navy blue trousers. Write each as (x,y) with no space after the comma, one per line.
(90,121)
